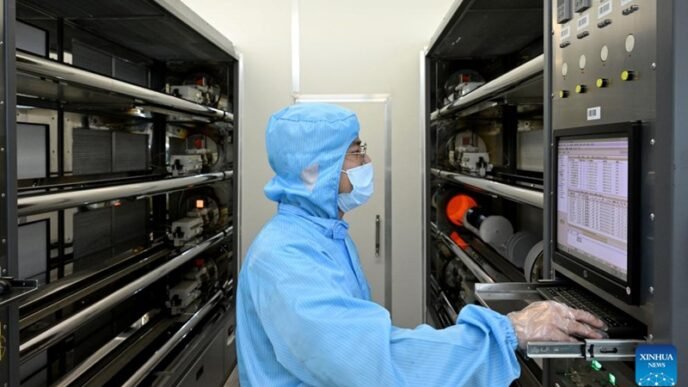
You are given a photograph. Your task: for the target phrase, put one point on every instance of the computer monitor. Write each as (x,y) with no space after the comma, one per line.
(596,206)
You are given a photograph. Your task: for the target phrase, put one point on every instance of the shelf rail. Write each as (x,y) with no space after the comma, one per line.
(478,271)
(107,349)
(517,194)
(499,85)
(54,298)
(62,329)
(173,342)
(58,201)
(36,65)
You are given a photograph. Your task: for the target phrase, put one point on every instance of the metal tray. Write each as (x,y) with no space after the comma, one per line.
(508,297)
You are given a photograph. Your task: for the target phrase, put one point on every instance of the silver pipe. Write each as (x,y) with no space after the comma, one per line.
(55,288)
(45,339)
(106,349)
(450,309)
(72,298)
(468,261)
(521,195)
(163,351)
(498,85)
(36,65)
(512,78)
(58,201)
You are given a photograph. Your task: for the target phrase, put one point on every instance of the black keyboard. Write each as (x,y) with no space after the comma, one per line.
(621,325)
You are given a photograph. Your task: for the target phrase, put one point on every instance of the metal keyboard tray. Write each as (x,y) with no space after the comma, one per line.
(508,297)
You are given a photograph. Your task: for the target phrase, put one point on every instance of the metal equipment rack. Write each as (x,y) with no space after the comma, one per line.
(520,48)
(119,122)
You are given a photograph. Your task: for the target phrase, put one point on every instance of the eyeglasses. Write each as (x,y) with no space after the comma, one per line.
(361,153)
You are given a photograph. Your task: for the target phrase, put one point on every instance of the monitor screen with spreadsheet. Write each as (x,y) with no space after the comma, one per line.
(594,206)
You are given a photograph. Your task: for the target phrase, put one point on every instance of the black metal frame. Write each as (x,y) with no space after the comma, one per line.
(671,244)
(437,68)
(9,315)
(158,211)
(430,148)
(236,255)
(629,290)
(510,138)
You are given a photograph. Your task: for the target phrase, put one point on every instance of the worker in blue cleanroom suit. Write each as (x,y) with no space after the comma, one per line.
(304,314)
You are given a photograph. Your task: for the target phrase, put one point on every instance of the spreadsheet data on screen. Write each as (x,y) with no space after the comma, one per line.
(592,202)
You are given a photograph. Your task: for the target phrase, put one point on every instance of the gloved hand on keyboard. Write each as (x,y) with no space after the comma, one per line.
(553,321)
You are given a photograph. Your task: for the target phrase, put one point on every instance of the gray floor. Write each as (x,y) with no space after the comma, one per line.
(233,380)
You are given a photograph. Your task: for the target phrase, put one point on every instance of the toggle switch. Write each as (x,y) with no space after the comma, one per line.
(604,23)
(602,82)
(628,75)
(630,10)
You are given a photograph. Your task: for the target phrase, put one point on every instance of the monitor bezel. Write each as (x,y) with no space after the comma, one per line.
(627,291)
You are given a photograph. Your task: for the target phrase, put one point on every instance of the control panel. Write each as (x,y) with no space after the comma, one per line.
(604,62)
(604,75)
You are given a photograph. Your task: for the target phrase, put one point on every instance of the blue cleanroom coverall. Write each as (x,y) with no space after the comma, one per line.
(304,314)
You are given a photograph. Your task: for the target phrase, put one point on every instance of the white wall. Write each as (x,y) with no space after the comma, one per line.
(347,47)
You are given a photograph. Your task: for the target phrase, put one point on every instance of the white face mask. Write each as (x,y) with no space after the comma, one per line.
(361,179)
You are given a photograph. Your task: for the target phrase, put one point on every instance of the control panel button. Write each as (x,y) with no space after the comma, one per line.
(581,89)
(563,94)
(583,34)
(564,44)
(604,23)
(604,53)
(630,9)
(602,82)
(630,43)
(628,75)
